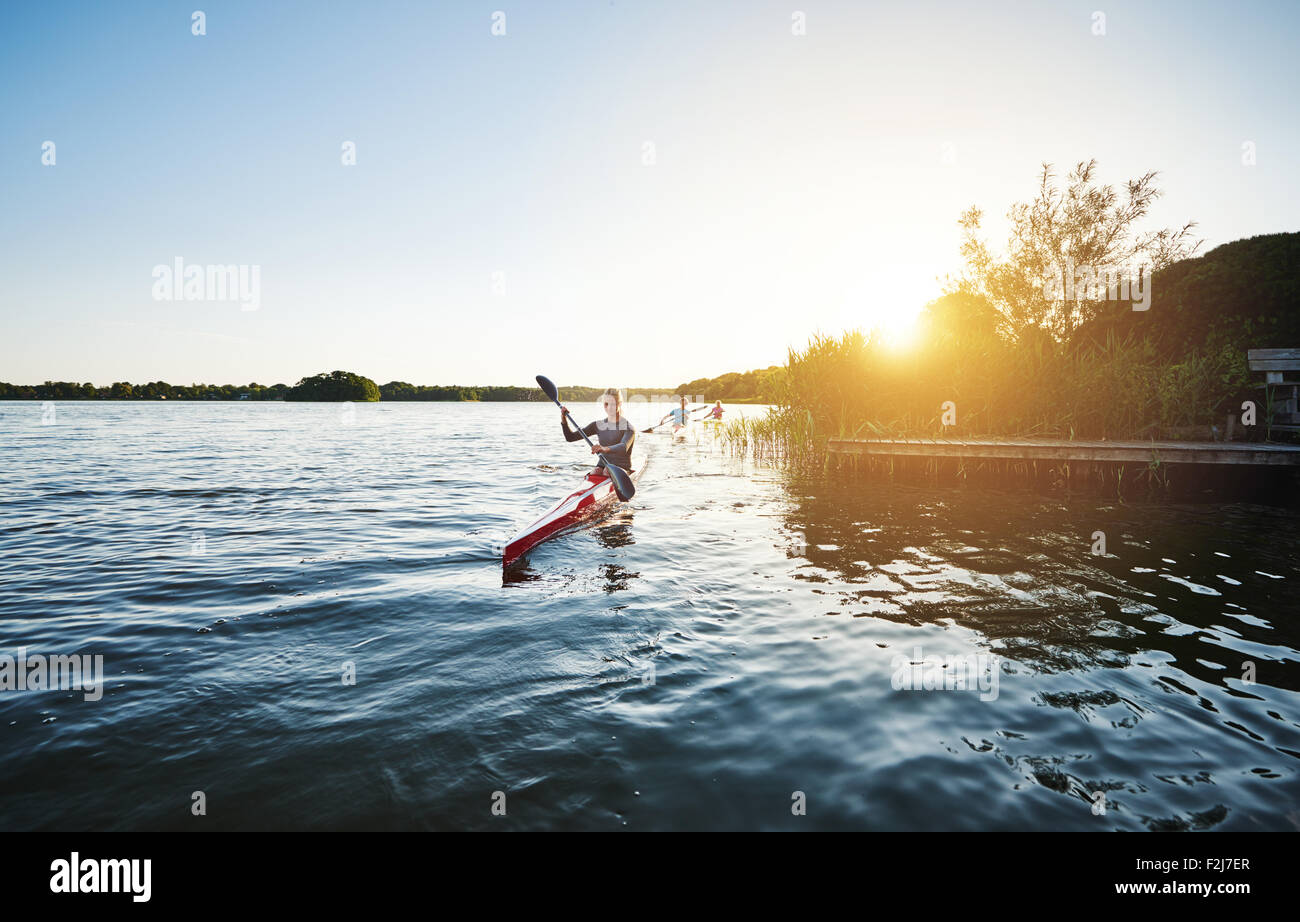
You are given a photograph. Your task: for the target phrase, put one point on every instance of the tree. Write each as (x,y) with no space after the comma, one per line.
(398,390)
(960,317)
(1062,238)
(335,386)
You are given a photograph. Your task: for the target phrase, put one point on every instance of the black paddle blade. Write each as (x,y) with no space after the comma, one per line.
(551,390)
(623,484)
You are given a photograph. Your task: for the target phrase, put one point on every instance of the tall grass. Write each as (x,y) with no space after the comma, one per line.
(857,386)
(783,434)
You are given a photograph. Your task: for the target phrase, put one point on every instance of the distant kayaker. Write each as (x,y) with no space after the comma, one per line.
(614,433)
(678,416)
(715,412)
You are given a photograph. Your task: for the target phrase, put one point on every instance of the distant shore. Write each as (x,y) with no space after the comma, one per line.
(567,394)
(347,386)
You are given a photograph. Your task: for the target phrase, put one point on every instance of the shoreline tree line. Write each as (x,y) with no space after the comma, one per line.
(336,386)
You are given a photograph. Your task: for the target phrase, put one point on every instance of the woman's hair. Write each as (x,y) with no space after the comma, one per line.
(618,401)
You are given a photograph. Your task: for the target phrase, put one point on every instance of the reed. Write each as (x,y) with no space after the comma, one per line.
(858,386)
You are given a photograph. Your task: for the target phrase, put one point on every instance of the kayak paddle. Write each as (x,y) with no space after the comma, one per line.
(623,484)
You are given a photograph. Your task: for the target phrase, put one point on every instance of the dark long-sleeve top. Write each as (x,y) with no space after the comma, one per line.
(618,438)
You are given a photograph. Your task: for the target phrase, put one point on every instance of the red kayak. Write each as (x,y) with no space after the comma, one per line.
(594,499)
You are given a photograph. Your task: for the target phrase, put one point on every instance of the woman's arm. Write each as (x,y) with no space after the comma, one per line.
(629,436)
(572,435)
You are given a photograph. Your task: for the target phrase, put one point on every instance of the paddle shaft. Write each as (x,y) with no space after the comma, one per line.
(600,457)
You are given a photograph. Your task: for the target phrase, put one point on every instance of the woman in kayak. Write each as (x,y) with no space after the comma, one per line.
(614,434)
(678,416)
(715,412)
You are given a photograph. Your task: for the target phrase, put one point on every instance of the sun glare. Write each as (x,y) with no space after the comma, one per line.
(900,332)
(889,301)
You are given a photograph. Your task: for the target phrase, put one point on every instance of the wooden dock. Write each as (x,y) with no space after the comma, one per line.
(1083,452)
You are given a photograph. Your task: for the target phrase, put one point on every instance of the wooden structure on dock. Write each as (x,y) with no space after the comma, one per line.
(1281,369)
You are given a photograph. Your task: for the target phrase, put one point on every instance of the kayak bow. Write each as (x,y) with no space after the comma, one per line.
(591,501)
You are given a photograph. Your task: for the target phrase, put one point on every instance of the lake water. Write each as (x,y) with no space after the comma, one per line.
(732,645)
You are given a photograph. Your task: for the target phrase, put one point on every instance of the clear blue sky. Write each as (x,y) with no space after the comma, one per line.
(798,184)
